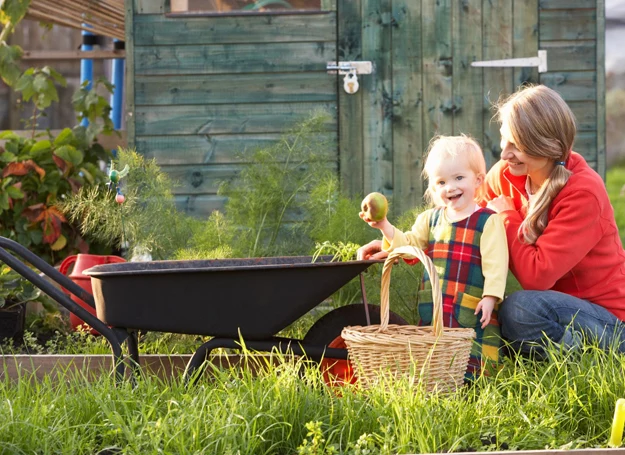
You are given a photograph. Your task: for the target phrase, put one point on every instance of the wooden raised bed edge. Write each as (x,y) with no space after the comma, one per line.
(606,451)
(94,366)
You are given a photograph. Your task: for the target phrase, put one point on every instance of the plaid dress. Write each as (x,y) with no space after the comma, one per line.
(455,251)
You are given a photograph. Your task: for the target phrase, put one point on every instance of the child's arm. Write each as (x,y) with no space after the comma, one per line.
(418,236)
(494,251)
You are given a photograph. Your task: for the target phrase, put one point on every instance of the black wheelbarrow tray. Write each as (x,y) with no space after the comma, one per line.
(228,299)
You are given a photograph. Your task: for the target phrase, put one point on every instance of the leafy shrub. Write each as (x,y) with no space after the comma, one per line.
(147,219)
(264,203)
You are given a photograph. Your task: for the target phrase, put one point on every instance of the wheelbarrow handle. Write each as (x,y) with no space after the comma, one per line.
(49,288)
(44,267)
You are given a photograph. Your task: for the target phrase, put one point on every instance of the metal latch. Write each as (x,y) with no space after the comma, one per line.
(350,70)
(540,62)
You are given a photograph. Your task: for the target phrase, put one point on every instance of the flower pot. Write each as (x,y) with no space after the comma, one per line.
(12,318)
(82,262)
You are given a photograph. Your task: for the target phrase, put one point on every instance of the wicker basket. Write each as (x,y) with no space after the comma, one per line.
(435,356)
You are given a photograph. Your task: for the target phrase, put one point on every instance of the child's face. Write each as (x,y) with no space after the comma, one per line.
(455,184)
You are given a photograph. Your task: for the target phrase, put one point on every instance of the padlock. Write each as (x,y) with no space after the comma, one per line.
(350,83)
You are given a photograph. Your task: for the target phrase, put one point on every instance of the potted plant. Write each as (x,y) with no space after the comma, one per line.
(15,293)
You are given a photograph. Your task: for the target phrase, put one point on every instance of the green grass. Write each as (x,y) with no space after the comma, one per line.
(615,182)
(566,402)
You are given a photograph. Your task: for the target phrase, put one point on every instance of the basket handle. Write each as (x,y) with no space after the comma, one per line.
(410,252)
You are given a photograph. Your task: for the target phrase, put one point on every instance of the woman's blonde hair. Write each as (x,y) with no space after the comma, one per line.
(541,124)
(449,148)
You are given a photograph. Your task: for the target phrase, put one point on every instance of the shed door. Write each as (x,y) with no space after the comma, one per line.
(423,83)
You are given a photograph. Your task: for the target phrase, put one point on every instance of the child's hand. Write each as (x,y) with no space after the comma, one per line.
(486,306)
(374,224)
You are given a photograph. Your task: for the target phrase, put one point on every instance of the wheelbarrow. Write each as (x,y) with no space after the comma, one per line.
(228,299)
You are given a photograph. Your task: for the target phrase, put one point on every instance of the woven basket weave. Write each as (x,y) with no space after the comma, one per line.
(435,356)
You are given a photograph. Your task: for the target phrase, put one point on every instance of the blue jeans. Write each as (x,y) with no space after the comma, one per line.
(530,319)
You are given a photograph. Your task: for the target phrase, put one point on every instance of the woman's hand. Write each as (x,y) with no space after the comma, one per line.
(372,250)
(501,204)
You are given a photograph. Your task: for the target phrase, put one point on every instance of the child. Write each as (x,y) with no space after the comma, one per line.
(466,243)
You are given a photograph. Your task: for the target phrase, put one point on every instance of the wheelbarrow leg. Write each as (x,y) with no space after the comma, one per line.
(283,345)
(201,355)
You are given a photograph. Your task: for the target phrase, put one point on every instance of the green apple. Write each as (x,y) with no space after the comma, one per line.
(374,206)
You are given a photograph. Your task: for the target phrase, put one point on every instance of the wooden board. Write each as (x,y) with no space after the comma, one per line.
(585,114)
(223,118)
(159,30)
(233,58)
(92,367)
(572,85)
(350,127)
(437,67)
(408,141)
(207,148)
(377,98)
(467,82)
(568,24)
(525,43)
(570,55)
(600,90)
(242,88)
(129,79)
(197,179)
(498,42)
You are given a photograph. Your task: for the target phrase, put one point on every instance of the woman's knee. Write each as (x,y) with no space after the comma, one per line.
(516,307)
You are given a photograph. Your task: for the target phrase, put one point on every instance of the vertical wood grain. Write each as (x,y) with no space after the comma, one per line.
(498,82)
(525,22)
(377,97)
(130,73)
(467,81)
(437,68)
(349,48)
(600,96)
(408,141)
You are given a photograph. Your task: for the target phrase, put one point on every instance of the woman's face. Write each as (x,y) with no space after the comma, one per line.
(520,163)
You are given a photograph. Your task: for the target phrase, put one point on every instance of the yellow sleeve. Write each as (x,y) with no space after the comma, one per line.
(418,236)
(494,250)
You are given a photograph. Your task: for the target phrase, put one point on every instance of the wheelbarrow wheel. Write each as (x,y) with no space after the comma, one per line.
(327,332)
(330,325)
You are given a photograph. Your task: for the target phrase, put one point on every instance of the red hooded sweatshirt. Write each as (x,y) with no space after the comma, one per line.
(580,252)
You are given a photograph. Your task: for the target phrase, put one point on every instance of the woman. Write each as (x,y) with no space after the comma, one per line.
(563,241)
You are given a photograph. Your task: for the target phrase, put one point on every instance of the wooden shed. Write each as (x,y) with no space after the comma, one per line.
(205,85)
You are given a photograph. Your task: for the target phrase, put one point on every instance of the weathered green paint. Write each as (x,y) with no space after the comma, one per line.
(467,83)
(244,88)
(211,149)
(232,58)
(408,141)
(159,30)
(224,118)
(585,114)
(129,81)
(376,92)
(600,90)
(497,44)
(205,89)
(525,39)
(573,24)
(349,48)
(438,100)
(573,85)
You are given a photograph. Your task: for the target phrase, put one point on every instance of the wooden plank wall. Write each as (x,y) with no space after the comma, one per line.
(572,33)
(206,89)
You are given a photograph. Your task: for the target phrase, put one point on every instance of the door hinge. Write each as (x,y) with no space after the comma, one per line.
(540,62)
